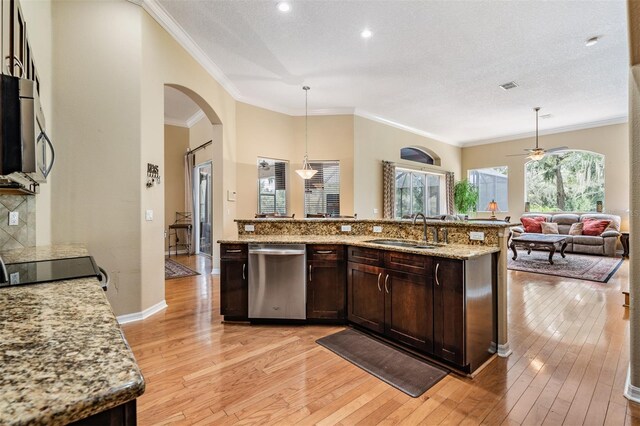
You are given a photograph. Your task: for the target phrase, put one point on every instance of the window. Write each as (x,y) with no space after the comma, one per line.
(570,181)
(418,192)
(272,186)
(415,154)
(322,191)
(492,184)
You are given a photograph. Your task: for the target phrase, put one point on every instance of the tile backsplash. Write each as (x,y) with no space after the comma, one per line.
(23,234)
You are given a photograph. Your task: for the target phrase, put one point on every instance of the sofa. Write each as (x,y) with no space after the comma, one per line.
(603,244)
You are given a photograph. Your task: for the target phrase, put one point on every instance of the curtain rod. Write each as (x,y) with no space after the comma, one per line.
(204,145)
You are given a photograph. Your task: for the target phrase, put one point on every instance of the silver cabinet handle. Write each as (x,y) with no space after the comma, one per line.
(437,267)
(244,267)
(379,276)
(234,251)
(310,272)
(386,280)
(324,251)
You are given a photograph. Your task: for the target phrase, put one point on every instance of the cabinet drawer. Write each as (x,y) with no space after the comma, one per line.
(325,252)
(407,262)
(233,251)
(365,255)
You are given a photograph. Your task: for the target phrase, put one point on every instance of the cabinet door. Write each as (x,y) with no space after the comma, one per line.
(448,306)
(409,309)
(326,290)
(366,296)
(234,289)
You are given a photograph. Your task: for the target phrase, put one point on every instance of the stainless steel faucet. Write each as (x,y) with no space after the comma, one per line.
(424,225)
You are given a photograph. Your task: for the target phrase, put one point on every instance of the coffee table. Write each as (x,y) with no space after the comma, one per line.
(539,241)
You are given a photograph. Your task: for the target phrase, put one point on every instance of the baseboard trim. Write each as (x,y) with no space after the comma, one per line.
(504,350)
(166,253)
(138,316)
(632,393)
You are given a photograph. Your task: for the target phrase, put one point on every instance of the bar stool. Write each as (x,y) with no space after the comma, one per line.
(184,225)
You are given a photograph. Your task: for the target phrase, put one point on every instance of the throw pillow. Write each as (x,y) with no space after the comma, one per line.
(549,227)
(576,228)
(532,224)
(594,227)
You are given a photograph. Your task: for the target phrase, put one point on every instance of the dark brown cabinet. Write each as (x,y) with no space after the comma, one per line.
(365,296)
(448,314)
(326,282)
(234,279)
(394,302)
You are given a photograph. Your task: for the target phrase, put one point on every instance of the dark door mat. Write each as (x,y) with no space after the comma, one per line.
(393,366)
(173,269)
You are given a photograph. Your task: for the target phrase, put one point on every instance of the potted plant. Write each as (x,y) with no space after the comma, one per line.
(465,196)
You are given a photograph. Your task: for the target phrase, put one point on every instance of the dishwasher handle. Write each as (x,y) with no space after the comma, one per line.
(277,252)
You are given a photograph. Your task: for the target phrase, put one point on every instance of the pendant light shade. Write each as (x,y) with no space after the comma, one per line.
(306,172)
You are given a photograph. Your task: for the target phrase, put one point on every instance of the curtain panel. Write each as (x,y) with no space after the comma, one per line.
(388,189)
(449,184)
(189,201)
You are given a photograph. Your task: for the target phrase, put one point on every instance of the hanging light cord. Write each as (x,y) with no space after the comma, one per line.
(306,123)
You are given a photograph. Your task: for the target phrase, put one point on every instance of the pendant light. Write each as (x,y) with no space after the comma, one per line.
(538,153)
(306,172)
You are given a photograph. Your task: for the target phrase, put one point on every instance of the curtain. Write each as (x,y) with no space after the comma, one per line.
(189,201)
(388,189)
(449,183)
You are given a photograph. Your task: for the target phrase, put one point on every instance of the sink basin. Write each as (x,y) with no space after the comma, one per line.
(400,243)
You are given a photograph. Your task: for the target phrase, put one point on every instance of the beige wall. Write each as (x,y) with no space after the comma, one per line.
(375,142)
(612,141)
(37,15)
(176,143)
(99,177)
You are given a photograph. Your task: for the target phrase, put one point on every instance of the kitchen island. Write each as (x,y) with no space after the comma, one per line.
(442,297)
(64,358)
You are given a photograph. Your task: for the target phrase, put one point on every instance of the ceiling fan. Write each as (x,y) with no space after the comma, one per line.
(538,153)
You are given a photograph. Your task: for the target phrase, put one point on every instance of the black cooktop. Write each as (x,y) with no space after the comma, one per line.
(44,271)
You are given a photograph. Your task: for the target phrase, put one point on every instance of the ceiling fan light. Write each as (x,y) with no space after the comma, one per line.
(536,156)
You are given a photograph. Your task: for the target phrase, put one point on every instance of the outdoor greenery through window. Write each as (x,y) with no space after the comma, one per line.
(492,184)
(418,192)
(570,181)
(322,191)
(272,186)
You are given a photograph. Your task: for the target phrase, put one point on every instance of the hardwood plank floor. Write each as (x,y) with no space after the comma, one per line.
(570,356)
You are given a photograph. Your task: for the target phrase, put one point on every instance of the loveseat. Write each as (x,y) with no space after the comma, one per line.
(602,244)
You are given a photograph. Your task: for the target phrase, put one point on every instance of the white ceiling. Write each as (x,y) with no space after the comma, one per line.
(433,66)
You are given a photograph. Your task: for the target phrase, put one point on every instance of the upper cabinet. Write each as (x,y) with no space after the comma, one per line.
(17,56)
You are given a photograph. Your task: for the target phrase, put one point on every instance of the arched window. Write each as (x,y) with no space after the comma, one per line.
(419,155)
(571,181)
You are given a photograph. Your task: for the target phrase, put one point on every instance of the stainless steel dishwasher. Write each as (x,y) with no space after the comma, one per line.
(277,281)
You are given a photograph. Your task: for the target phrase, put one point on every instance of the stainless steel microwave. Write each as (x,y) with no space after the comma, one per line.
(25,148)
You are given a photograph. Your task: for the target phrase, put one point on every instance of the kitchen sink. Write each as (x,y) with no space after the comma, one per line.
(400,243)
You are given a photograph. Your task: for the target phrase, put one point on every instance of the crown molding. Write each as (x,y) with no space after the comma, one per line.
(199,115)
(373,117)
(174,122)
(157,12)
(562,129)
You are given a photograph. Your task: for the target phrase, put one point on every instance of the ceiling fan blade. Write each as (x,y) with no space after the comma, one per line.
(556,149)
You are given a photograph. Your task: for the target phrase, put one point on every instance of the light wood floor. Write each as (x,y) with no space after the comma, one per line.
(569,364)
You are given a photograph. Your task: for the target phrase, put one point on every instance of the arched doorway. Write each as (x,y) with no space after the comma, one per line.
(193,169)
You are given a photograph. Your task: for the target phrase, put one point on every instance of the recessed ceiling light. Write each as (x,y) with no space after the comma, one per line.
(366,33)
(283,6)
(591,41)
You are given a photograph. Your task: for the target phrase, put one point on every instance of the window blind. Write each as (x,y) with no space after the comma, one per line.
(322,191)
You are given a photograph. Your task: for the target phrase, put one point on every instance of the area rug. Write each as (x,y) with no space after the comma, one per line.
(173,269)
(579,266)
(393,366)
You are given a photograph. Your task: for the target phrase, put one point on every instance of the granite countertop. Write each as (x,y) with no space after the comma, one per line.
(473,223)
(451,251)
(62,352)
